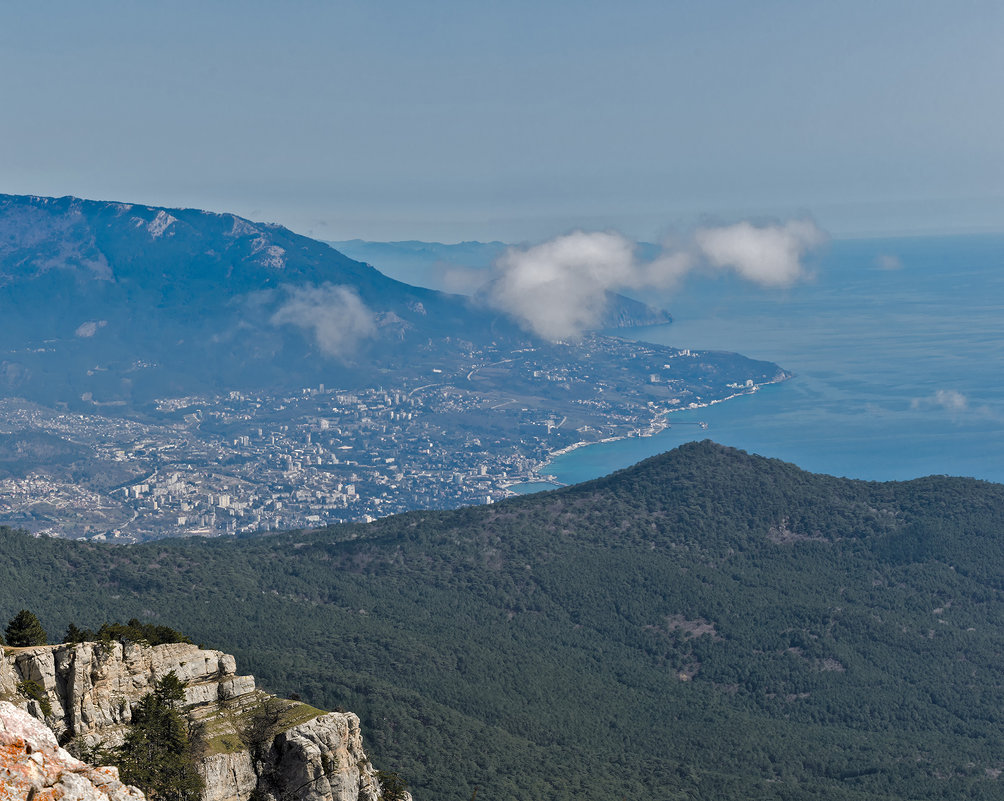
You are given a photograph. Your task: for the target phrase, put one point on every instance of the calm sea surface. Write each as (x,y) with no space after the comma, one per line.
(898,352)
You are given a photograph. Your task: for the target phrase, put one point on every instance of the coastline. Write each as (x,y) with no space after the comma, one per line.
(657,425)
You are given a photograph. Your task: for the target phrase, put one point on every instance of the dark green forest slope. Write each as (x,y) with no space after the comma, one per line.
(707,624)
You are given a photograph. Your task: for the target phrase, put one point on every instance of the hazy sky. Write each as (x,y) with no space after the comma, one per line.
(512,120)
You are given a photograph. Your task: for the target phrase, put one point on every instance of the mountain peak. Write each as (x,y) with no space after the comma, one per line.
(207,300)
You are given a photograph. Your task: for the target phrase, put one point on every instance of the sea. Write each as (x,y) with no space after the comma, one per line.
(897,351)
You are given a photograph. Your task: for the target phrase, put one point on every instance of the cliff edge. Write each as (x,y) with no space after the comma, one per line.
(249,741)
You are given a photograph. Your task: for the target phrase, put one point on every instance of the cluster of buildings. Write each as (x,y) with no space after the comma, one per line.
(252,462)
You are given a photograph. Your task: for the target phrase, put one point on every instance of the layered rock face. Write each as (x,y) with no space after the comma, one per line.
(32,765)
(301,753)
(319,760)
(325,757)
(92,686)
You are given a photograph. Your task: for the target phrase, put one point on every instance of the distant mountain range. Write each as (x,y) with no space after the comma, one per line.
(431,264)
(238,360)
(120,303)
(707,624)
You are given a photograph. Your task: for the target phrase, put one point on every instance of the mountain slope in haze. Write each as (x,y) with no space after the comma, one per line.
(157,300)
(432,264)
(117,304)
(706,624)
(239,361)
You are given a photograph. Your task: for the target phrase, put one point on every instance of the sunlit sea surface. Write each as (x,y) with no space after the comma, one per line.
(897,347)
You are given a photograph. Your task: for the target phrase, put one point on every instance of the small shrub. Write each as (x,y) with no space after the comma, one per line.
(157,754)
(260,726)
(35,691)
(133,631)
(96,754)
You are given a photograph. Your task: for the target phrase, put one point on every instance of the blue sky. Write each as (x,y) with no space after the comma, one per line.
(514,121)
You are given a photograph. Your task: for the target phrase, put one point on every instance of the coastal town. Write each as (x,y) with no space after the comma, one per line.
(245,463)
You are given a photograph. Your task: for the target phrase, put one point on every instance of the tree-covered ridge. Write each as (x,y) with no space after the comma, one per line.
(706,624)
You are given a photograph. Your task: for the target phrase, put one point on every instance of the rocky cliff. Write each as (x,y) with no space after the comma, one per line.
(33,766)
(248,739)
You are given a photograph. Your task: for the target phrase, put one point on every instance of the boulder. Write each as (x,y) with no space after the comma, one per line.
(33,766)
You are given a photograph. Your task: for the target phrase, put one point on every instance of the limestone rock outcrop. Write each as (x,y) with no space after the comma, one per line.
(8,678)
(325,757)
(92,688)
(321,759)
(33,766)
(229,776)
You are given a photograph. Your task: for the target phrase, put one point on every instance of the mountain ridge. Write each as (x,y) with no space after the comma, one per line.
(707,622)
(169,287)
(112,302)
(262,380)
(466,267)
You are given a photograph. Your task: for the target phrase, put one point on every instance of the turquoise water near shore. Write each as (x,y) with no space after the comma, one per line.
(897,346)
(530,487)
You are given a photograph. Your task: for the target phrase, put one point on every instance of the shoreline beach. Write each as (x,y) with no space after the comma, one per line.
(655,426)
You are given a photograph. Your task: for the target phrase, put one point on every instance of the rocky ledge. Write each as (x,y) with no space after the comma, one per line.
(250,742)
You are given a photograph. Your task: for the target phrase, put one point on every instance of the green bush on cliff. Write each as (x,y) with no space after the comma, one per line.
(392,786)
(133,631)
(32,689)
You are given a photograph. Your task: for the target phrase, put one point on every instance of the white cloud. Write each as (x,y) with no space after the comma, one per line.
(887,261)
(769,255)
(558,289)
(951,399)
(89,328)
(335,315)
(958,405)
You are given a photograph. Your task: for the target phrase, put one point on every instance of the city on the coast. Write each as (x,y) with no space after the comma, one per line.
(244,462)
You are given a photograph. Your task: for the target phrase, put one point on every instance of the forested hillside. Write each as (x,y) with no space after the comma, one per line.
(707,624)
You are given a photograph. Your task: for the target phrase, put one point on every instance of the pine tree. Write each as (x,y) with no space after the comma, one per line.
(73,634)
(156,755)
(24,629)
(392,786)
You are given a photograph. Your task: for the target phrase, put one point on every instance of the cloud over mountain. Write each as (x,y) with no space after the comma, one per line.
(335,316)
(559,288)
(769,255)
